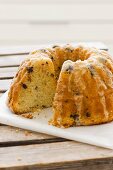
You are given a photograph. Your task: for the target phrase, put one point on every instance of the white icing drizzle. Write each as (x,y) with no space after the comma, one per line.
(66,64)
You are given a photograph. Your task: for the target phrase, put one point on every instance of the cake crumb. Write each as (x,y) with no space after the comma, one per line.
(17,130)
(27,133)
(28,115)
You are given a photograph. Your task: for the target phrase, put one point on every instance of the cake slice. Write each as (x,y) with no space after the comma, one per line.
(34,85)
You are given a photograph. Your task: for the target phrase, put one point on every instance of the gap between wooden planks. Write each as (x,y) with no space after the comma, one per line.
(7,73)
(11,136)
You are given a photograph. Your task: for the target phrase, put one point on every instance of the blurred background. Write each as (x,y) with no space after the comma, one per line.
(33,22)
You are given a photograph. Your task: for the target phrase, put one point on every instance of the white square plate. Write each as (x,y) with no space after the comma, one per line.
(99,135)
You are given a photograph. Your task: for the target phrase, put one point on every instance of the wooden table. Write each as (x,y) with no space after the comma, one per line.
(20,149)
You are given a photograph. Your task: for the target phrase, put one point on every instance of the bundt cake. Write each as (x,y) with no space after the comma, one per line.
(77,81)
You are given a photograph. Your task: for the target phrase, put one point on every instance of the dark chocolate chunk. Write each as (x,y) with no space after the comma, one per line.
(66,101)
(36,88)
(74,116)
(88,114)
(29,69)
(55,46)
(56,78)
(43,106)
(91,73)
(69,69)
(46,62)
(43,50)
(51,57)
(59,68)
(24,86)
(91,69)
(69,50)
(52,75)
(77,93)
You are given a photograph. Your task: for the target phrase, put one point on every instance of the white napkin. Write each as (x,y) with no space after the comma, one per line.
(99,135)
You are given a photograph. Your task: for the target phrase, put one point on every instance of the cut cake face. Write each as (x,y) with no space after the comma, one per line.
(34,87)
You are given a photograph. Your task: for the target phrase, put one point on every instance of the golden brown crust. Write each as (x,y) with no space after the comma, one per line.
(16,86)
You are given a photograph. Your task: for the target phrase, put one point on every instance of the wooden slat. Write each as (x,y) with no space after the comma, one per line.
(8,69)
(10,136)
(52,12)
(55,33)
(12,60)
(5,84)
(8,72)
(63,155)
